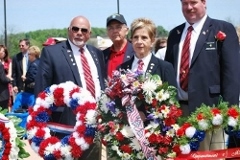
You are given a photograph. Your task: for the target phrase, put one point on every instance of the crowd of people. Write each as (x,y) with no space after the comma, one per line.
(192,58)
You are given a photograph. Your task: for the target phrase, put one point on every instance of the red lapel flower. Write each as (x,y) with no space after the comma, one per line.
(220,36)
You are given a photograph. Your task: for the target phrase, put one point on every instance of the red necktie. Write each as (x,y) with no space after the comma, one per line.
(184,66)
(140,65)
(87,73)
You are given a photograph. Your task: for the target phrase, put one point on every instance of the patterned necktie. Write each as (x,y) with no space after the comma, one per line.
(184,66)
(24,65)
(87,73)
(140,65)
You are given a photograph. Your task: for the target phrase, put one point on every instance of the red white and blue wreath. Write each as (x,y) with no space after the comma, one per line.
(82,104)
(8,147)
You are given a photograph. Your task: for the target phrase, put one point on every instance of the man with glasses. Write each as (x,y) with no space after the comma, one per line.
(121,50)
(63,62)
(19,65)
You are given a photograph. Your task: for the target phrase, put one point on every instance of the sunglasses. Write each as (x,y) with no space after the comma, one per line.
(76,29)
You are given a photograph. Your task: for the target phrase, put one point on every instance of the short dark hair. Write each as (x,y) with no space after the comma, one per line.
(27,42)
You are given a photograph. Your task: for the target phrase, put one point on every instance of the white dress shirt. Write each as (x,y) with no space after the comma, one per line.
(92,66)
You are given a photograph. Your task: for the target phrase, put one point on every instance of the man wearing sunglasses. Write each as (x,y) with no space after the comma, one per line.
(63,62)
(122,49)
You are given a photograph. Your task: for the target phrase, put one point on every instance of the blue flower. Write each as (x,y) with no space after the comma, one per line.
(49,157)
(194,145)
(199,135)
(37,140)
(111,106)
(74,103)
(90,131)
(42,117)
(65,140)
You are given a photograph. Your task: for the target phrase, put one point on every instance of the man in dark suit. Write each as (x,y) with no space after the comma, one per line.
(62,62)
(213,64)
(18,68)
(121,50)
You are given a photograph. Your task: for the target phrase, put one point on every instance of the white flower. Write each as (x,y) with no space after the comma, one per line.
(127,131)
(171,132)
(91,117)
(175,126)
(190,131)
(104,100)
(162,95)
(126,156)
(232,121)
(149,87)
(148,99)
(217,120)
(185,149)
(203,124)
(135,144)
(140,155)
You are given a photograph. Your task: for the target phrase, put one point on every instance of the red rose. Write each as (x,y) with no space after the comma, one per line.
(176,149)
(152,138)
(200,116)
(162,150)
(233,112)
(119,136)
(220,36)
(216,111)
(126,149)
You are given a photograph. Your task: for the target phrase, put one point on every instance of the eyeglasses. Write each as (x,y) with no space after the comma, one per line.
(76,29)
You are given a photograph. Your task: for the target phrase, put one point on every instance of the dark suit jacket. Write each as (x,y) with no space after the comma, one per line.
(17,71)
(127,56)
(57,65)
(156,66)
(4,91)
(30,76)
(214,68)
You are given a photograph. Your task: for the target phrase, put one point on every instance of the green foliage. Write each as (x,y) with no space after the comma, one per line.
(38,37)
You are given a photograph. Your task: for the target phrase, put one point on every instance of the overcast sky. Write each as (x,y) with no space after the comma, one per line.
(31,15)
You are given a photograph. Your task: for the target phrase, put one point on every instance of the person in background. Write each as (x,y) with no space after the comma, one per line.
(121,50)
(53,41)
(205,55)
(160,48)
(62,62)
(19,65)
(4,90)
(29,79)
(7,65)
(143,32)
(160,43)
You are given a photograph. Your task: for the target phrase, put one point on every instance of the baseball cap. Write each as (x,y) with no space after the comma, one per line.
(116,17)
(49,41)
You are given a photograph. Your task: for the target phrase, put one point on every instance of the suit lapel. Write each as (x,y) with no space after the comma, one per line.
(178,34)
(201,39)
(67,52)
(152,65)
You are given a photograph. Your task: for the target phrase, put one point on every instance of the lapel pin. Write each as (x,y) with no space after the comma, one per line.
(74,64)
(128,56)
(178,32)
(68,50)
(71,59)
(203,32)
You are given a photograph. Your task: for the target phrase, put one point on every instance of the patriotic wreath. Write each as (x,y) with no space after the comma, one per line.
(8,147)
(72,146)
(125,91)
(205,119)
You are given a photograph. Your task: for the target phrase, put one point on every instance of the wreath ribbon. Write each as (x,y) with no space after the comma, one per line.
(137,127)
